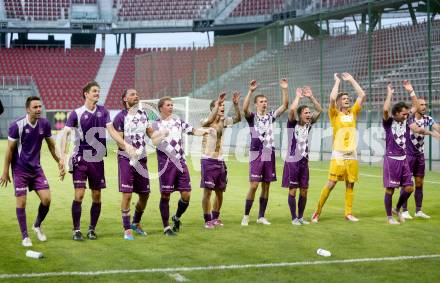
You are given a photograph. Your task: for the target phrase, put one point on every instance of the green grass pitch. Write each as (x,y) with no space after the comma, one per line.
(231,244)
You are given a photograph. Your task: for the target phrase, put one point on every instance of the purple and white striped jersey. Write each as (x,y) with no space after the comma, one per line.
(415,141)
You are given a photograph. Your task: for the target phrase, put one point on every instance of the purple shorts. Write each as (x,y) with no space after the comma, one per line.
(416,165)
(172,178)
(262,168)
(133,179)
(396,173)
(34,181)
(92,171)
(214,174)
(296,174)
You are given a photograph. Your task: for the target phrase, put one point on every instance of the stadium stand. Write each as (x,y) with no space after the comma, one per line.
(38,10)
(398,53)
(124,77)
(256,7)
(159,75)
(142,10)
(59,73)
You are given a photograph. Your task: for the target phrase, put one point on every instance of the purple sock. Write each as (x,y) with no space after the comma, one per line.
(292,205)
(95,211)
(21,217)
(405,204)
(388,200)
(215,214)
(42,212)
(164,206)
(301,206)
(403,198)
(263,205)
(207,217)
(248,206)
(181,207)
(126,219)
(418,196)
(137,216)
(76,214)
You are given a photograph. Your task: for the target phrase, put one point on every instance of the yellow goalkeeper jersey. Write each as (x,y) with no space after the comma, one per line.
(344,128)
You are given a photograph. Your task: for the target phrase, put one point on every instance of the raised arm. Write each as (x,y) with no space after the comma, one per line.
(409,89)
(214,111)
(294,106)
(387,103)
(318,109)
(359,91)
(285,97)
(335,90)
(422,131)
(5,178)
(247,99)
(235,101)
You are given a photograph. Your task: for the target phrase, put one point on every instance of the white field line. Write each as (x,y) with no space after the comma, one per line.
(215,267)
(178,277)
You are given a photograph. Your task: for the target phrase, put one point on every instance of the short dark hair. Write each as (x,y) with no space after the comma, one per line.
(398,107)
(300,110)
(162,101)
(259,96)
(30,99)
(88,86)
(341,94)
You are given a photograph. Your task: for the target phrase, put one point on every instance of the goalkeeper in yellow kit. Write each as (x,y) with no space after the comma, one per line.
(344,163)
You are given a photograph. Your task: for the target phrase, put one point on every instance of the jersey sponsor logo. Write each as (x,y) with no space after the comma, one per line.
(27,131)
(99,114)
(21,189)
(347,118)
(86,116)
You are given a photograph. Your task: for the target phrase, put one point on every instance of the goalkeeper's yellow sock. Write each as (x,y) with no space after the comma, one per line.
(348,201)
(322,199)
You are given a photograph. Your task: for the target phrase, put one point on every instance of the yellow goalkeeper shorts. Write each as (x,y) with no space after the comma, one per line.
(344,170)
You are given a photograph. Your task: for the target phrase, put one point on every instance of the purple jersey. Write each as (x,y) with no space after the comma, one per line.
(134,128)
(395,137)
(90,134)
(262,130)
(173,143)
(415,141)
(26,155)
(298,140)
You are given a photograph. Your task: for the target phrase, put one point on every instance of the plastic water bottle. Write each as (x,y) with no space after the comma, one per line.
(34,254)
(323,252)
